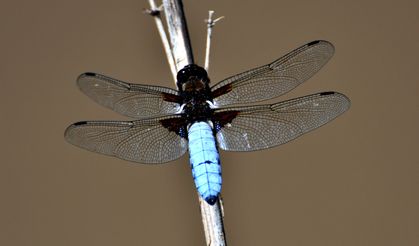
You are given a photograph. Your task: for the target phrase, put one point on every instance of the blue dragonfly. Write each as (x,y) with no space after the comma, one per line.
(202,119)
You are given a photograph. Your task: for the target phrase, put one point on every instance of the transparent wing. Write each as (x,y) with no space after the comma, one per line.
(251,128)
(154,140)
(132,100)
(276,78)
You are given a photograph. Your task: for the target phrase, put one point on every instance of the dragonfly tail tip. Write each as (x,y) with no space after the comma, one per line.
(211,200)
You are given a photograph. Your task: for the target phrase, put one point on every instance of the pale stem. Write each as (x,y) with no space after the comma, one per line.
(212,217)
(155,12)
(178,33)
(210,25)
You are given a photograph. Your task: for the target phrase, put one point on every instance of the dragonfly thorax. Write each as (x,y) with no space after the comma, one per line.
(193,85)
(197,110)
(193,81)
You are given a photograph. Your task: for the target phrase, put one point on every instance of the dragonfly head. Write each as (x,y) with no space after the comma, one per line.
(192,78)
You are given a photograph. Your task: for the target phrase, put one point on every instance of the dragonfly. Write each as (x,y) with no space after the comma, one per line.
(202,119)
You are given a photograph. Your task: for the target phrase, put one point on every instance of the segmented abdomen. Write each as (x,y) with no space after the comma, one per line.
(205,161)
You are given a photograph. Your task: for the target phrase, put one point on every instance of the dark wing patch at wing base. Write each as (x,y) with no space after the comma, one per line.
(176,125)
(221,119)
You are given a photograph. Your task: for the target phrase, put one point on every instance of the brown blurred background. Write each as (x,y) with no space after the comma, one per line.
(353,182)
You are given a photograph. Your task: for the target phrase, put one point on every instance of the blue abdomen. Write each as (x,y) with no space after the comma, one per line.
(205,161)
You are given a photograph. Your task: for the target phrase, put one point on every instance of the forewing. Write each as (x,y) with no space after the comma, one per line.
(154,140)
(274,79)
(264,126)
(132,100)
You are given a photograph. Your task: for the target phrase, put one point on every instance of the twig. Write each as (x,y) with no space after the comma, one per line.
(155,12)
(178,33)
(210,25)
(212,217)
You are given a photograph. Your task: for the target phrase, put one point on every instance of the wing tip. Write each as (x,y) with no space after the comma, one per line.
(345,100)
(319,41)
(313,42)
(89,74)
(324,43)
(326,93)
(86,74)
(71,127)
(79,123)
(80,79)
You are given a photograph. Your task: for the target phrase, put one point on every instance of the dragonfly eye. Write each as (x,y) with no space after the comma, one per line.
(189,71)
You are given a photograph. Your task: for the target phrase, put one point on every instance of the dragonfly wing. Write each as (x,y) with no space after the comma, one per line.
(251,128)
(132,100)
(274,79)
(153,140)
